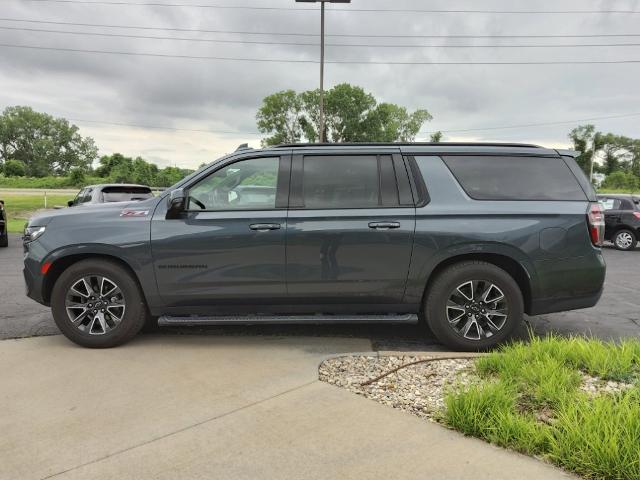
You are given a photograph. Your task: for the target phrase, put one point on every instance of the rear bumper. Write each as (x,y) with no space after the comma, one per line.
(563,304)
(569,284)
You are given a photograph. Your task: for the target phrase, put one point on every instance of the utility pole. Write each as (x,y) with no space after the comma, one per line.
(321,126)
(321,119)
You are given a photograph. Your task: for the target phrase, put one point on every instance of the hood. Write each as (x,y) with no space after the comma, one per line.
(94,212)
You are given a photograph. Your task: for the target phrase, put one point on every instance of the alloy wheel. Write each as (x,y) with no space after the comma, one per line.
(95,304)
(624,240)
(477,309)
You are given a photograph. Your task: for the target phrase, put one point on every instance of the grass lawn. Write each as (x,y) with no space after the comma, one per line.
(530,399)
(20,207)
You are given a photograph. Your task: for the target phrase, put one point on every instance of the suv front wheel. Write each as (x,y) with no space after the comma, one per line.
(473,306)
(98,304)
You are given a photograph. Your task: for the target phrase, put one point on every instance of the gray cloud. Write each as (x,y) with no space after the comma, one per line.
(224,96)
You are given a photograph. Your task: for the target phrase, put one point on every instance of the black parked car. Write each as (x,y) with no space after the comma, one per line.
(4,236)
(464,237)
(622,220)
(111,193)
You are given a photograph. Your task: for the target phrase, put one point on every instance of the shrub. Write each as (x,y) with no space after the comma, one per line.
(15,168)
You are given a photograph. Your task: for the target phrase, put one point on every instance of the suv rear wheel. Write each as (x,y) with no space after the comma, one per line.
(97,304)
(625,240)
(473,306)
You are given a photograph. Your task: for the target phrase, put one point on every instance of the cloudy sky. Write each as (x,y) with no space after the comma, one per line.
(220,97)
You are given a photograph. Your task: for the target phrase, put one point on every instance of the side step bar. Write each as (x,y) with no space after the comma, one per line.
(192,320)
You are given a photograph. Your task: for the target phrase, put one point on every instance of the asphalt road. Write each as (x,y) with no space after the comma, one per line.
(617,315)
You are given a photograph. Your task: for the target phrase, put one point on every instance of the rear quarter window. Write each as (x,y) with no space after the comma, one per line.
(125,194)
(515,178)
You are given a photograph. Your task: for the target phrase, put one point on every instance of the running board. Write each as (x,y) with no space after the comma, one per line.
(193,320)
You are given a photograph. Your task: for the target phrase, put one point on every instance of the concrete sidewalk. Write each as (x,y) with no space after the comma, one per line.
(190,407)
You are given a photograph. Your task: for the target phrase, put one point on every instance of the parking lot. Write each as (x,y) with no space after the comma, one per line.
(617,315)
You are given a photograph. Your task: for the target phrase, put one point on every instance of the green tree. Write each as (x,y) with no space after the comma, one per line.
(622,181)
(351,115)
(436,137)
(46,145)
(77,177)
(585,141)
(281,115)
(108,163)
(14,168)
(170,175)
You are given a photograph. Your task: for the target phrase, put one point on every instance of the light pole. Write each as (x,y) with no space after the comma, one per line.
(322,2)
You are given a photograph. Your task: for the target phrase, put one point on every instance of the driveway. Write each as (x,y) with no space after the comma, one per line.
(617,315)
(211,407)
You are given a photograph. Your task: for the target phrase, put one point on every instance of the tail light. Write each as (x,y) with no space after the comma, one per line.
(595,220)
(637,215)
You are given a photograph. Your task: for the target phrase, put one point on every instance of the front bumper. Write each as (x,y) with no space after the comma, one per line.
(33,279)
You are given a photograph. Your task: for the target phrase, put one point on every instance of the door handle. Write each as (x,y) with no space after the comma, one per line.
(264,227)
(384,225)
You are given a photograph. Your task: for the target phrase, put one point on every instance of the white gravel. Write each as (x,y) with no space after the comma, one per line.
(420,389)
(597,386)
(417,389)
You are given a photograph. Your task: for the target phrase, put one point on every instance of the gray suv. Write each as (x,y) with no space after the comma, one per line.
(464,238)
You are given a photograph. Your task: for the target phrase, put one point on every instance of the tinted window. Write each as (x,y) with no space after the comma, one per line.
(341,182)
(609,203)
(515,178)
(245,185)
(125,194)
(626,204)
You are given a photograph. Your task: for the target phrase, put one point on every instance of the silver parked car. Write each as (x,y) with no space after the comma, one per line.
(110,193)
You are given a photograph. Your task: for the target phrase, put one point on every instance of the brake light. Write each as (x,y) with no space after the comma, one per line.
(637,215)
(595,221)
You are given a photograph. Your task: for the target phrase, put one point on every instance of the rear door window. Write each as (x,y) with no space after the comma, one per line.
(341,182)
(515,178)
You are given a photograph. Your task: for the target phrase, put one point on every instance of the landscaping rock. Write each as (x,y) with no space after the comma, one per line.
(418,389)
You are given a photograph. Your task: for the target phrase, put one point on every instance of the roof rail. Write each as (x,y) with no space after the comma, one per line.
(409,144)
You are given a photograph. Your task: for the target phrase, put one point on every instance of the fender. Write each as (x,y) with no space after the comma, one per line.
(426,260)
(136,256)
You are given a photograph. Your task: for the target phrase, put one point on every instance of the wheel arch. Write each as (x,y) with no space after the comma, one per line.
(62,263)
(514,268)
(624,226)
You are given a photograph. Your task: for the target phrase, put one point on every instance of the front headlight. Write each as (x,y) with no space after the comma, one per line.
(31,233)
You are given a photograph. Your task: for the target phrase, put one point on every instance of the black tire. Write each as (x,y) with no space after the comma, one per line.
(134,315)
(446,283)
(4,240)
(625,240)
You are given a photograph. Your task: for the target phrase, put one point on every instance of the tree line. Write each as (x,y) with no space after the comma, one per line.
(48,149)
(616,156)
(39,146)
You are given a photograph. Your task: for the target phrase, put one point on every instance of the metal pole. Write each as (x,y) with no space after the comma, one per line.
(321,126)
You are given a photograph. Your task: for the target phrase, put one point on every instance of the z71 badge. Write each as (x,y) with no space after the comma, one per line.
(134,213)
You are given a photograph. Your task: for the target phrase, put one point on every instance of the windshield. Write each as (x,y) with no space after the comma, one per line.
(125,194)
